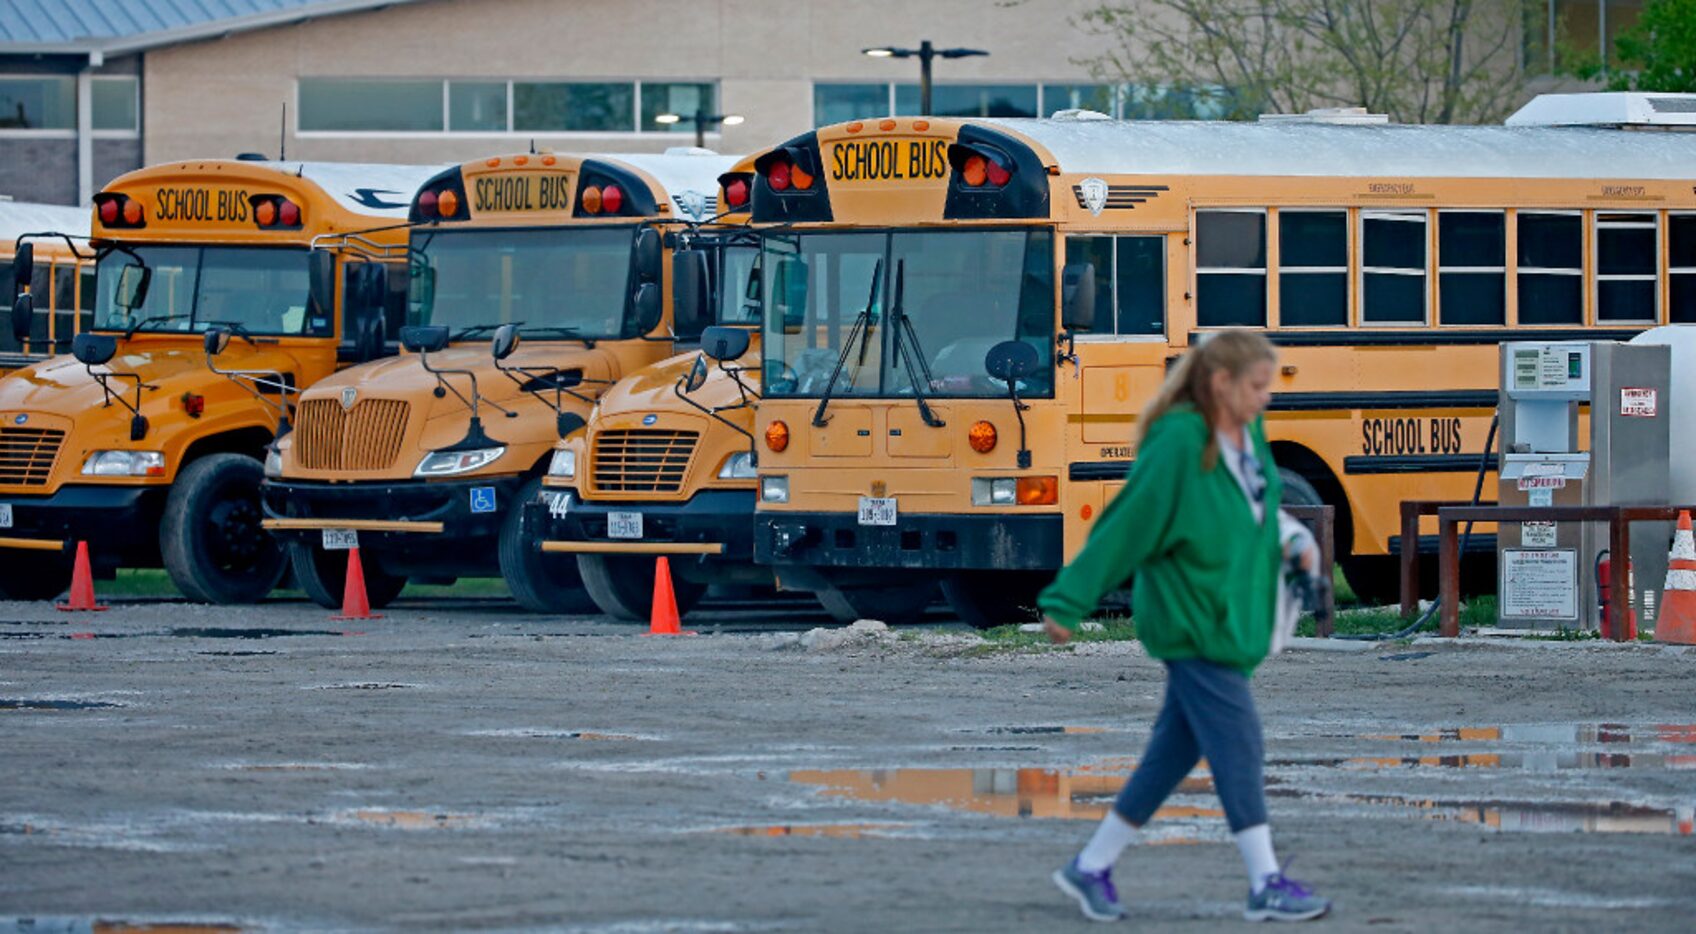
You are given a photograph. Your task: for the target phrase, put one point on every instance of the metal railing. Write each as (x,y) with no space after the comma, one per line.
(1322,520)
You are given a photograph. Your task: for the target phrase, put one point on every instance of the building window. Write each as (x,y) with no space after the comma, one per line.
(359,104)
(362,105)
(969,100)
(1130,277)
(1393,249)
(1551,267)
(117,104)
(38,103)
(1627,254)
(840,103)
(1587,29)
(1472,272)
(1230,265)
(1313,268)
(1681,258)
(1096,97)
(682,99)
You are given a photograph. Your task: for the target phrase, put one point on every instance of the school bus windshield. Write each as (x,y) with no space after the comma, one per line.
(569,283)
(177,289)
(885,312)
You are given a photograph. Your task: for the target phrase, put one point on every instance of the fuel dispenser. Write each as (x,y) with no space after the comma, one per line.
(1582,424)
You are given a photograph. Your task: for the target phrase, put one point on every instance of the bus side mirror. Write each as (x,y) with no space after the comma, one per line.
(649,255)
(648,307)
(421,290)
(724,344)
(321,283)
(691,295)
(697,374)
(365,294)
(133,281)
(424,338)
(1077,296)
(1011,361)
(23,315)
(505,341)
(216,340)
(23,268)
(94,349)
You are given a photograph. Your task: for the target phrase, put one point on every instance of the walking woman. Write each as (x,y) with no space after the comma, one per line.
(1199,526)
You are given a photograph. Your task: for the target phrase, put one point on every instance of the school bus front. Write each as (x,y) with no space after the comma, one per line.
(133,444)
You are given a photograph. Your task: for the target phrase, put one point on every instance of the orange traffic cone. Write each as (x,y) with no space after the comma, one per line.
(355,605)
(663,619)
(82,585)
(1677,620)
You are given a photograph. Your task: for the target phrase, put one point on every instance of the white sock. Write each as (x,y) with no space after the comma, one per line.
(1255,844)
(1110,839)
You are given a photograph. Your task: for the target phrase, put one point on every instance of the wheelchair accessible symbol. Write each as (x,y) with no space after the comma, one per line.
(482,499)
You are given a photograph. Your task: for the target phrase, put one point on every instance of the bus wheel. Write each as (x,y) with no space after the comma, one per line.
(986,599)
(323,575)
(623,586)
(899,601)
(34,576)
(541,583)
(213,545)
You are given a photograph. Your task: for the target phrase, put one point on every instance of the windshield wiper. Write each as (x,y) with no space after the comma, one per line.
(575,334)
(862,325)
(899,325)
(474,329)
(151,319)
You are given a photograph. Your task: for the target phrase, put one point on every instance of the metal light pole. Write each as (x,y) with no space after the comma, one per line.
(925,53)
(701,119)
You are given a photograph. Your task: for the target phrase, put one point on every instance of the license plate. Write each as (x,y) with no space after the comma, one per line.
(5,515)
(340,539)
(624,525)
(877,510)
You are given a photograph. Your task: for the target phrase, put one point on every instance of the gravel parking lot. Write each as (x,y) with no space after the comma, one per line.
(459,765)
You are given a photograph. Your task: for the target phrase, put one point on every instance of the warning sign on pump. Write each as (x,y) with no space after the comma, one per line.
(1542,482)
(1540,584)
(1638,403)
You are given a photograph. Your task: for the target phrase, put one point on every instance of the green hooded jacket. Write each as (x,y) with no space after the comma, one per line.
(1206,572)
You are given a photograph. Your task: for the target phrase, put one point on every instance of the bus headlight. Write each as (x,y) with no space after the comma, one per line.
(564,464)
(273,463)
(774,489)
(994,491)
(124,464)
(738,466)
(451,463)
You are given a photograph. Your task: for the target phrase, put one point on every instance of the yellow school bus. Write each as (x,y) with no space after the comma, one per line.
(538,280)
(665,465)
(964,318)
(132,443)
(62,280)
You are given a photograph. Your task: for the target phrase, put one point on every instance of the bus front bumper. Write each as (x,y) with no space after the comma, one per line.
(120,523)
(1000,541)
(437,519)
(717,525)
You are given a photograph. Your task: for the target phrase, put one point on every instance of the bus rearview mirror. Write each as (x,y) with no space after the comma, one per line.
(691,298)
(648,307)
(94,349)
(505,341)
(23,268)
(649,255)
(697,373)
(23,316)
(424,338)
(1077,296)
(321,282)
(216,340)
(1011,361)
(724,344)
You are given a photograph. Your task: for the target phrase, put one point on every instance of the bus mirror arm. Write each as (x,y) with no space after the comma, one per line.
(254,382)
(443,387)
(1019,407)
(1067,341)
(138,421)
(525,378)
(713,413)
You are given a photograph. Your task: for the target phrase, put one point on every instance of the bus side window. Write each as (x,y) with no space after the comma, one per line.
(1551,267)
(1313,268)
(46,302)
(1098,252)
(1130,282)
(1230,266)
(85,308)
(1681,260)
(64,305)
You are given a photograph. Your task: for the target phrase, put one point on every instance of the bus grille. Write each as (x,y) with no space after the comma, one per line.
(329,437)
(26,454)
(642,460)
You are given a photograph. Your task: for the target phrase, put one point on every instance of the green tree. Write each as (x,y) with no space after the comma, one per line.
(1419,61)
(1659,52)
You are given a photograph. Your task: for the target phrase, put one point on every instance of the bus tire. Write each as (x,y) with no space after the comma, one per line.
(899,601)
(541,583)
(210,537)
(986,599)
(1297,491)
(322,575)
(623,586)
(34,576)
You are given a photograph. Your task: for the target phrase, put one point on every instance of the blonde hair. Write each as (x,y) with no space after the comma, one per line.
(1191,380)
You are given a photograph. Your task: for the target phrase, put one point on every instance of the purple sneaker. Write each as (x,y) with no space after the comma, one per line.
(1285,899)
(1093,890)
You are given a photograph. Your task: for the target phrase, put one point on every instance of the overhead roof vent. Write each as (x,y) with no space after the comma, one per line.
(1608,108)
(1079,114)
(1338,115)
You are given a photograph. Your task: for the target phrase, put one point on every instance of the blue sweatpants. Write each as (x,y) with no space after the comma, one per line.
(1208,712)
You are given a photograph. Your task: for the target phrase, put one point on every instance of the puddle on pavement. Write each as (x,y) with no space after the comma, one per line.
(361,686)
(61,925)
(245,654)
(408,820)
(294,766)
(1075,794)
(11,703)
(225,632)
(1552,734)
(1527,816)
(1040,730)
(1541,761)
(833,831)
(590,735)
